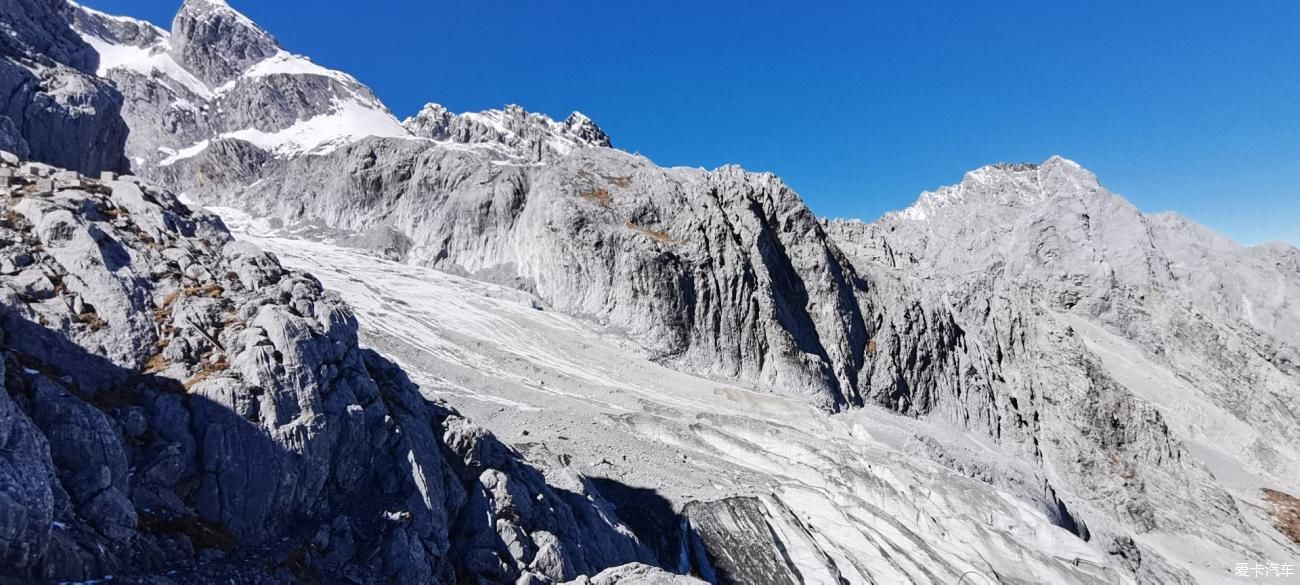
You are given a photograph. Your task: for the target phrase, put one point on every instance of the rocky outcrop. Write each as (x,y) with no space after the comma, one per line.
(54,108)
(217,44)
(518,134)
(177,401)
(732,541)
(636,574)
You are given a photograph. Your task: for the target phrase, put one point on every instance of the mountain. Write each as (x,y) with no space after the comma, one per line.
(1050,238)
(1021,378)
(219,76)
(1181,343)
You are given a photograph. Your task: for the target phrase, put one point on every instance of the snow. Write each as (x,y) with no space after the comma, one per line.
(178,155)
(285,63)
(148,61)
(114,55)
(223,6)
(350,121)
(124,19)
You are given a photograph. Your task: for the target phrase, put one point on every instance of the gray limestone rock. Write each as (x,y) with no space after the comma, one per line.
(215,42)
(726,273)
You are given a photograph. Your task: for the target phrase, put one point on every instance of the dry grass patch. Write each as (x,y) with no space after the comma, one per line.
(210,368)
(600,197)
(157,363)
(93,321)
(213,290)
(171,298)
(654,234)
(153,244)
(163,314)
(621,182)
(1286,513)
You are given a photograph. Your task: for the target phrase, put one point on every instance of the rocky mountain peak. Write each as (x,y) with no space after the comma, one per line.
(433,121)
(217,42)
(1007,185)
(515,131)
(579,125)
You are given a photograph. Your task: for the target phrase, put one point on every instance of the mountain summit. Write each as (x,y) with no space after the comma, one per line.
(216,43)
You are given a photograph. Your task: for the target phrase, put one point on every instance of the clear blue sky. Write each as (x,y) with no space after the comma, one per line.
(1185,105)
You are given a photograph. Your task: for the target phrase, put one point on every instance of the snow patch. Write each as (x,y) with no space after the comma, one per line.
(148,61)
(350,121)
(286,63)
(182,154)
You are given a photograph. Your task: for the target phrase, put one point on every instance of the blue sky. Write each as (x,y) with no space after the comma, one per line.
(1191,105)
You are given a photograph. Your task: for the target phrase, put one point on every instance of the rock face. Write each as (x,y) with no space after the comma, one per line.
(636,574)
(54,108)
(176,400)
(1029,239)
(217,44)
(734,543)
(1111,346)
(519,134)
